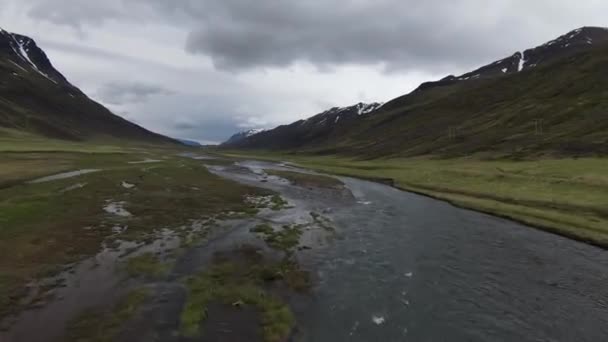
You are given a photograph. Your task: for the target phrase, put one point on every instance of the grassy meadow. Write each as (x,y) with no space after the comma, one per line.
(45,226)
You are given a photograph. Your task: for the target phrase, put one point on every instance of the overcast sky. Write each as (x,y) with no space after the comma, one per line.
(204,69)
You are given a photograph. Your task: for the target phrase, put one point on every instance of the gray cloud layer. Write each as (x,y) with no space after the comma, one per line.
(433,34)
(121,93)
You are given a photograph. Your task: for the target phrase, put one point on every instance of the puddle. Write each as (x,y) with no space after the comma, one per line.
(116,208)
(145,161)
(73,187)
(378,320)
(127,185)
(196,156)
(63,175)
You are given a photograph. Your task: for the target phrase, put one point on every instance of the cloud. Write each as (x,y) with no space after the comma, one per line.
(131,92)
(401,35)
(75,12)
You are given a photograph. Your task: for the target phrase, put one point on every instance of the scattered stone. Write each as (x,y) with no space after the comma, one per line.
(127,185)
(117,208)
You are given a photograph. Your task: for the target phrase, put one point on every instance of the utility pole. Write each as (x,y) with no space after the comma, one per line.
(452,133)
(538,127)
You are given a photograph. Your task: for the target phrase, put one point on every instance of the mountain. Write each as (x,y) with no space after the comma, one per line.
(579,40)
(240,136)
(548,100)
(313,130)
(191,143)
(36,98)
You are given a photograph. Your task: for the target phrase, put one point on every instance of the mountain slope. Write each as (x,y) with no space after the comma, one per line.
(553,101)
(315,130)
(240,136)
(36,98)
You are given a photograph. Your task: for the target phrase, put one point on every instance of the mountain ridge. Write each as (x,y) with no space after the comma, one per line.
(319,125)
(551,102)
(572,42)
(36,98)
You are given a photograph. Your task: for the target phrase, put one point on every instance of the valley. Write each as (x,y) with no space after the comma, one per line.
(177,244)
(472,207)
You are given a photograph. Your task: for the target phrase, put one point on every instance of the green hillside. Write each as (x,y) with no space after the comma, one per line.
(555,104)
(38,100)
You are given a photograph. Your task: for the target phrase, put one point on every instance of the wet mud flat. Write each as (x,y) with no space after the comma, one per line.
(130,291)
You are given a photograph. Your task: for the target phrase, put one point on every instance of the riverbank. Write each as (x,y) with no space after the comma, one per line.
(564,196)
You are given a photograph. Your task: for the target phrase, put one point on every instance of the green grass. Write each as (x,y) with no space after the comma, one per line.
(242,281)
(307,180)
(43,225)
(147,264)
(92,326)
(565,196)
(278,203)
(263,228)
(285,239)
(322,221)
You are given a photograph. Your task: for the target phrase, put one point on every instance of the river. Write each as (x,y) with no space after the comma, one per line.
(410,268)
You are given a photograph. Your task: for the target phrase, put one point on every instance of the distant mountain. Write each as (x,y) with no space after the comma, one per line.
(316,129)
(191,143)
(548,100)
(36,98)
(240,136)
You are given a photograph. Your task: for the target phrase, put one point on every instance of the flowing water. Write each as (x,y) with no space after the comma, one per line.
(409,268)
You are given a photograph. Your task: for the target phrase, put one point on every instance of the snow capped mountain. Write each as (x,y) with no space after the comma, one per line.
(24,53)
(573,42)
(38,99)
(251,132)
(498,99)
(335,114)
(316,127)
(235,138)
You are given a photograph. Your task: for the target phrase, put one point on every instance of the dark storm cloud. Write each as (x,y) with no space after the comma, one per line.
(75,13)
(241,34)
(89,52)
(432,35)
(401,34)
(124,93)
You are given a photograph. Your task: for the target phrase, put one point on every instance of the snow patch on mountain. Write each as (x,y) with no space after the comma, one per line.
(23,52)
(21,47)
(360,108)
(367,108)
(244,135)
(253,131)
(522,61)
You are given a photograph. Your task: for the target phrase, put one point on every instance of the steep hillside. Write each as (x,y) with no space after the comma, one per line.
(553,101)
(315,130)
(240,136)
(36,98)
